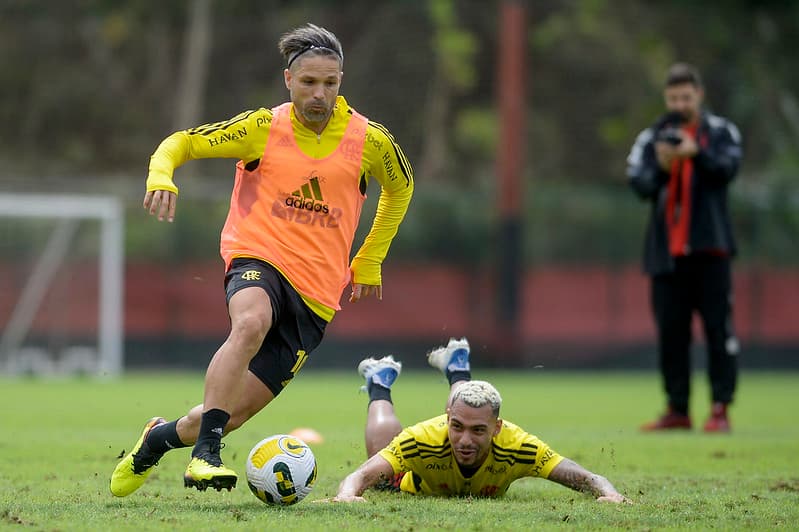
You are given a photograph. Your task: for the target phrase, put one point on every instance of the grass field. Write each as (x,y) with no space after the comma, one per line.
(61,439)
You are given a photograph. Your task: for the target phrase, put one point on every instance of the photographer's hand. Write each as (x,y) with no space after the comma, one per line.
(665,154)
(688,148)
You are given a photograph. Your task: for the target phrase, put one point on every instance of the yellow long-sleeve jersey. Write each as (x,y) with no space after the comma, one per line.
(424,453)
(244,138)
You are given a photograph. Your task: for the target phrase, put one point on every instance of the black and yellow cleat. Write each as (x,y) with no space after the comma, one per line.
(202,475)
(133,470)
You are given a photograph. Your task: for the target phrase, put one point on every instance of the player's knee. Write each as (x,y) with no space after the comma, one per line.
(251,327)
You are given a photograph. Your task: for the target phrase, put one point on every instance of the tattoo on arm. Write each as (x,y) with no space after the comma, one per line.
(370,473)
(572,475)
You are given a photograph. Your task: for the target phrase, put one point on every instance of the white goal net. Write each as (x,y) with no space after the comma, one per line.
(61,284)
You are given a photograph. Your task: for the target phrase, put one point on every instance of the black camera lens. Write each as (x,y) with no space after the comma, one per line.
(670,135)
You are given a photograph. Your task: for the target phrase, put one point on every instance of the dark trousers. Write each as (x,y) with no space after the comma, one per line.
(701,283)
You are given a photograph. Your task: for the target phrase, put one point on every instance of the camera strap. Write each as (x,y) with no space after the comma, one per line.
(678,203)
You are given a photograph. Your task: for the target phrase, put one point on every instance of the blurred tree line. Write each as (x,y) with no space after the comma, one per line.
(89,88)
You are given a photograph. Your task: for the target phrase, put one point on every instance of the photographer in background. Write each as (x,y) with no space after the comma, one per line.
(683,164)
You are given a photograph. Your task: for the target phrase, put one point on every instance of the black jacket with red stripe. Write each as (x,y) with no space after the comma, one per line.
(715,166)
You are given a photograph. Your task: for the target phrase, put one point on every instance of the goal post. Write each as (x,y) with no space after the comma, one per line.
(67,211)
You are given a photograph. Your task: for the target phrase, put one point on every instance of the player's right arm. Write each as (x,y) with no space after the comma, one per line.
(370,473)
(242,137)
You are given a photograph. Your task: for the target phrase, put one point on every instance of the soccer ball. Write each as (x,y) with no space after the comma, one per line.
(281,470)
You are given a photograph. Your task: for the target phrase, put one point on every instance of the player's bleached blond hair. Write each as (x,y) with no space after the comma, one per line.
(310,39)
(478,394)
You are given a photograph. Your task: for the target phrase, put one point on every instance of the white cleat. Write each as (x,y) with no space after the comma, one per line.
(452,357)
(382,371)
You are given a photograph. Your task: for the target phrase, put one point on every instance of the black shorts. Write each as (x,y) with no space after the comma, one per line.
(296,329)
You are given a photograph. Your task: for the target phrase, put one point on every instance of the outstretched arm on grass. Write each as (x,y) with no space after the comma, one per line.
(574,476)
(370,473)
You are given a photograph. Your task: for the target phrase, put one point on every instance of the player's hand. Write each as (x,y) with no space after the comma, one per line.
(341,498)
(347,498)
(365,290)
(162,203)
(616,498)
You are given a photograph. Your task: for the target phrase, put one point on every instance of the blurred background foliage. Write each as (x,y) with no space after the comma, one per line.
(90,87)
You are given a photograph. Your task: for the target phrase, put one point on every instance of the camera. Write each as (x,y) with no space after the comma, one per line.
(669,130)
(671,135)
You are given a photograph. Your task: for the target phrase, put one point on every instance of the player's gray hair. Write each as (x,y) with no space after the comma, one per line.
(309,39)
(478,394)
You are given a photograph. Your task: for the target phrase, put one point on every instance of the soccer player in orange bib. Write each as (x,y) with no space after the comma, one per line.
(468,451)
(300,183)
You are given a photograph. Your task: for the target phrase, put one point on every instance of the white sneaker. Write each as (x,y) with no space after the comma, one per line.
(383,371)
(453,357)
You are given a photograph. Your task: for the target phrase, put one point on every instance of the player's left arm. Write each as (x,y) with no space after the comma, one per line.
(386,162)
(572,475)
(370,473)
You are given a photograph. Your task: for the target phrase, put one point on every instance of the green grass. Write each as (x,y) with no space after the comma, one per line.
(60,440)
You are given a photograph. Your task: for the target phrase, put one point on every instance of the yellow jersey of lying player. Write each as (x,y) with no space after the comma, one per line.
(424,453)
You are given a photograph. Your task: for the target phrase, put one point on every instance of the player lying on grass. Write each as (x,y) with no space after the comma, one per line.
(467,451)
